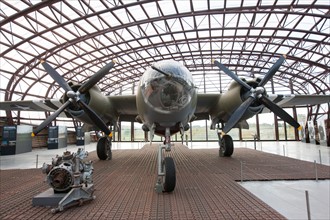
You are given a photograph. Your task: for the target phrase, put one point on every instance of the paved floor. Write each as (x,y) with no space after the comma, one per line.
(287,197)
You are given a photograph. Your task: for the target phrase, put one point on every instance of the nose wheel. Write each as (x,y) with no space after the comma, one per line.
(166,179)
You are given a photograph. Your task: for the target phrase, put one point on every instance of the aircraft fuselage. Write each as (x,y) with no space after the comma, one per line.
(166,97)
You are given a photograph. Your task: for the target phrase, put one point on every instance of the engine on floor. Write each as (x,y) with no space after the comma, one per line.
(60,173)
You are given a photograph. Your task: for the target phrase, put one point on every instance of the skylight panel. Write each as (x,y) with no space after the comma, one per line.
(249,3)
(8,11)
(217,4)
(233,3)
(66,33)
(123,16)
(166,37)
(291,21)
(283,49)
(241,32)
(255,32)
(86,26)
(306,23)
(151,9)
(202,21)
(272,22)
(167,7)
(203,34)
(155,40)
(137,12)
(280,33)
(179,36)
(183,6)
(200,5)
(160,26)
(229,32)
(63,7)
(188,23)
(231,20)
(296,34)
(260,19)
(191,34)
(174,24)
(245,20)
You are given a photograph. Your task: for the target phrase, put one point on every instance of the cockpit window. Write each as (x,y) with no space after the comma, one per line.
(166,94)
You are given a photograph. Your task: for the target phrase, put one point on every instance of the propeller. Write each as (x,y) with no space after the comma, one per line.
(74,97)
(256,94)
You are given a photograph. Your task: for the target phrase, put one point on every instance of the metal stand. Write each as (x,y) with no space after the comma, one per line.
(77,195)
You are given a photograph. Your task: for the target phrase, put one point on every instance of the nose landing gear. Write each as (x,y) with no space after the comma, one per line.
(166,168)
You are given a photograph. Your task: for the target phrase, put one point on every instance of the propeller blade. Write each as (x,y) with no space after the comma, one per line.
(96,77)
(95,118)
(237,115)
(50,118)
(271,72)
(279,112)
(232,75)
(56,76)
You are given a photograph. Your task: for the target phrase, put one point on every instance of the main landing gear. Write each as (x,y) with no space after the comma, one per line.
(103,148)
(226,145)
(166,168)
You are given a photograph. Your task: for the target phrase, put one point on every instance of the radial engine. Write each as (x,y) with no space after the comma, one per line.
(60,173)
(70,175)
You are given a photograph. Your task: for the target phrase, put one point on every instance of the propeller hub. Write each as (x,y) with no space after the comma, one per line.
(259,90)
(71,94)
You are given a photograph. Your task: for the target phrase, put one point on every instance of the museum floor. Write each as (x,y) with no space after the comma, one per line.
(252,184)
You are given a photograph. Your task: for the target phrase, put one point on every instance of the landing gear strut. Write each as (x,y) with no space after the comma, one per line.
(166,168)
(103,148)
(226,145)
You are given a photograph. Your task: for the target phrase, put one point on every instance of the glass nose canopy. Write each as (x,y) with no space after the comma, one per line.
(167,94)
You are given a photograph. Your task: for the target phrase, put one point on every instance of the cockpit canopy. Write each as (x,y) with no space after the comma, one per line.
(170,92)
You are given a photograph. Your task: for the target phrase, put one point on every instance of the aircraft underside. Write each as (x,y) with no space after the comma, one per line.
(166,170)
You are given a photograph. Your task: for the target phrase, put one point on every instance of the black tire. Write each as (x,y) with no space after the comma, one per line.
(170,178)
(226,146)
(101,149)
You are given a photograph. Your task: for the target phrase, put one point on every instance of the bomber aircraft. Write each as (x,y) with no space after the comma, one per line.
(165,103)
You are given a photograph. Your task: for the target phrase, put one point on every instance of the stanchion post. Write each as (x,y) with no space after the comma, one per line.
(37,161)
(307,204)
(320,156)
(241,172)
(316,176)
(284,150)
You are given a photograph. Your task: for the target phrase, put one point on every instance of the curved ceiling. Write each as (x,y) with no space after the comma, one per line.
(79,37)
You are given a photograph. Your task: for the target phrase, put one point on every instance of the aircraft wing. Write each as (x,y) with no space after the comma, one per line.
(50,105)
(205,103)
(299,100)
(125,107)
(31,105)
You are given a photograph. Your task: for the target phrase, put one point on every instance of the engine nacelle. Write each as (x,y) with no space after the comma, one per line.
(60,173)
(100,104)
(231,100)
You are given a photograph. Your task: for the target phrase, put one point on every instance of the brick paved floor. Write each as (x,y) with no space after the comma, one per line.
(206,186)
